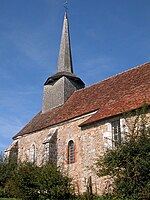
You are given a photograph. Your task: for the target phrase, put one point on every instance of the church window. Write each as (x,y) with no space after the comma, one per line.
(46,152)
(116,133)
(71,152)
(33,153)
(50,146)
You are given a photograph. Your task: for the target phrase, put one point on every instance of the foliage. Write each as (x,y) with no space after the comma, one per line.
(129,163)
(31,182)
(6,171)
(9,199)
(86,197)
(54,185)
(1,157)
(22,183)
(105,197)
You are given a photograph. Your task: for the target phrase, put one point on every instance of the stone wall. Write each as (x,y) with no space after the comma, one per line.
(90,142)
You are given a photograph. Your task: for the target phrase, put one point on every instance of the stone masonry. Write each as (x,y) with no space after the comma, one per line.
(90,142)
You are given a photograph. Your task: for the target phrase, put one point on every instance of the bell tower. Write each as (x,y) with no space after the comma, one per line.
(59,87)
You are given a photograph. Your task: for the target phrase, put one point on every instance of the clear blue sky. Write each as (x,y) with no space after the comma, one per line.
(107,37)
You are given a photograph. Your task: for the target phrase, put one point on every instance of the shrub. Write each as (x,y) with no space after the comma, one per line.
(53,184)
(6,171)
(30,182)
(129,163)
(23,182)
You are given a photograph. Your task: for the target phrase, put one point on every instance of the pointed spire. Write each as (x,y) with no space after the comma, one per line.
(59,87)
(65,59)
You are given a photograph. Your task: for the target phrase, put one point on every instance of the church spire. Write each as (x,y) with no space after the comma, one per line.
(59,87)
(65,58)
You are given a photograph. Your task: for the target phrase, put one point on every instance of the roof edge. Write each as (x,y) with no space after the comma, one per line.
(128,70)
(55,124)
(86,123)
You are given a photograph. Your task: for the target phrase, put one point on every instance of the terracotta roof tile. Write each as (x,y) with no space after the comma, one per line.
(119,107)
(127,90)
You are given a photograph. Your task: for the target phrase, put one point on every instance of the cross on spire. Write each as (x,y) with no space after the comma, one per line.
(66,5)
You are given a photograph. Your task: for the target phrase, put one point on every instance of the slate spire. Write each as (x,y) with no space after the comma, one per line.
(65,58)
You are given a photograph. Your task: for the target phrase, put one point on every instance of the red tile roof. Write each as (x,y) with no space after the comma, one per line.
(125,91)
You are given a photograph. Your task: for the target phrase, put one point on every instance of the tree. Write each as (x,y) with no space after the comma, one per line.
(22,183)
(53,184)
(129,163)
(1,157)
(31,182)
(6,171)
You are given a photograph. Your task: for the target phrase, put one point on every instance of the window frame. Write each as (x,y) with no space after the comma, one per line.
(71,152)
(33,153)
(116,132)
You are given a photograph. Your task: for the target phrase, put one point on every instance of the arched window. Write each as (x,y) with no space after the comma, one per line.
(33,153)
(71,152)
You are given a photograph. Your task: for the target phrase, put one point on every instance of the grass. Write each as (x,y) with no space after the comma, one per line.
(8,198)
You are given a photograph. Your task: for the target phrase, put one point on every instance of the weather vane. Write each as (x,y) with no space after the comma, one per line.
(66,5)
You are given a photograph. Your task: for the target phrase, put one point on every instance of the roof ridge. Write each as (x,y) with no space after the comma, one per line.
(112,77)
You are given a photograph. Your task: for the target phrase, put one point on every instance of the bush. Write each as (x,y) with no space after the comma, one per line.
(30,182)
(129,163)
(23,182)
(53,184)
(6,171)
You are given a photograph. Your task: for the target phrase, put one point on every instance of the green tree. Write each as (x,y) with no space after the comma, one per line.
(6,171)
(129,163)
(1,157)
(30,182)
(23,182)
(53,184)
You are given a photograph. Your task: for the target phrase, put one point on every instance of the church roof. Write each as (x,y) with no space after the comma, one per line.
(69,75)
(123,92)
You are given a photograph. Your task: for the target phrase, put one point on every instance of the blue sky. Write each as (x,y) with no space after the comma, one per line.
(107,37)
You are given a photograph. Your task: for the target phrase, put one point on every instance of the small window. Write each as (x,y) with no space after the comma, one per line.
(116,133)
(46,152)
(33,153)
(71,153)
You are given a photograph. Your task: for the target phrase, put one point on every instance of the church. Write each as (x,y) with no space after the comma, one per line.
(76,123)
